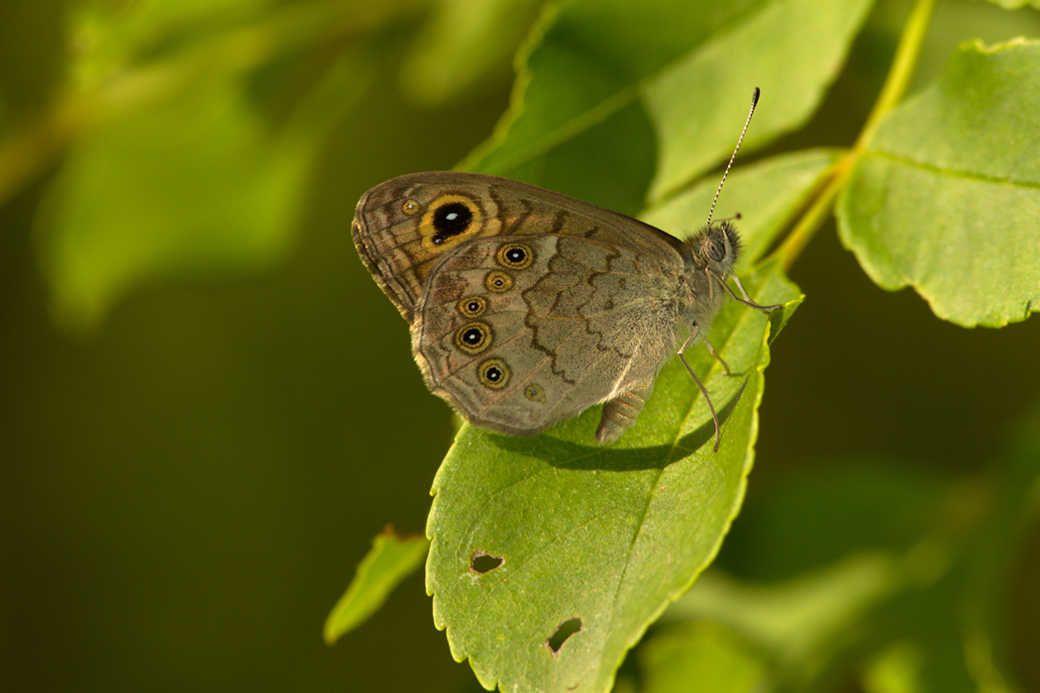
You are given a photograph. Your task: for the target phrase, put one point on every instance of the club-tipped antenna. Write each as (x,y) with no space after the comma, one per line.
(754,102)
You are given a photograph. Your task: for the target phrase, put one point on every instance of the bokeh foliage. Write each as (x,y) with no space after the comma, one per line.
(177,180)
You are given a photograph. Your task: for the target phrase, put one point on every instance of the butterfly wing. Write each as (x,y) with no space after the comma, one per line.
(405,226)
(521,331)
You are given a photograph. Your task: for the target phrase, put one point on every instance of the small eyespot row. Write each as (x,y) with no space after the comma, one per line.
(515,255)
(493,373)
(498,281)
(473,338)
(473,306)
(535,392)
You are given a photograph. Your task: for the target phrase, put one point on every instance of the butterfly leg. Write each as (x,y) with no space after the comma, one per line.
(711,350)
(747,299)
(694,332)
(620,413)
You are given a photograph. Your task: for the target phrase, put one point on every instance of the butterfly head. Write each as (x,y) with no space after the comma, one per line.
(716,248)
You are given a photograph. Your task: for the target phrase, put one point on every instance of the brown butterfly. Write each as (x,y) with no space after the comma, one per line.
(527,307)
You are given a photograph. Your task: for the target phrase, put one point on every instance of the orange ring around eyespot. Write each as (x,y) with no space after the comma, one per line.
(434,238)
(489,368)
(503,256)
(484,337)
(498,281)
(535,392)
(465,306)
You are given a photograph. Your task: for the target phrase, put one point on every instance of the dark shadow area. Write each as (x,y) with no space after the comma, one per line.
(563,631)
(484,563)
(567,455)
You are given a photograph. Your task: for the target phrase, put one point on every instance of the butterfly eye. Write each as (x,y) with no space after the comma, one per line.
(515,256)
(473,338)
(714,249)
(493,373)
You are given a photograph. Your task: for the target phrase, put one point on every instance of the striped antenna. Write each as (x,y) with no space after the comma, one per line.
(754,102)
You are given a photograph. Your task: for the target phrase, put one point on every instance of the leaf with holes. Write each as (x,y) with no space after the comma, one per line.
(550,556)
(947,198)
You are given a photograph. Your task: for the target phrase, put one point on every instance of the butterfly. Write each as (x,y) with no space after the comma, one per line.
(527,306)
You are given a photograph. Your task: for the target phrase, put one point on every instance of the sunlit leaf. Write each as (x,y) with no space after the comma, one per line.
(794,620)
(791,49)
(895,670)
(461,44)
(768,194)
(1015,4)
(393,557)
(947,198)
(605,85)
(701,656)
(531,535)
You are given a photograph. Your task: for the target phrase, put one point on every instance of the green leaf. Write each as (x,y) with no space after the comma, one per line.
(796,622)
(1014,507)
(603,84)
(111,37)
(776,189)
(197,185)
(393,557)
(461,44)
(813,520)
(704,657)
(570,534)
(792,49)
(947,197)
(895,670)
(817,558)
(1016,4)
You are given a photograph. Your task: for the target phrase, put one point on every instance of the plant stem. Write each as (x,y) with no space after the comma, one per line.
(898,78)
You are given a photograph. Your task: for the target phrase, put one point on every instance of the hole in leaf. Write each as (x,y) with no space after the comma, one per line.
(563,631)
(484,562)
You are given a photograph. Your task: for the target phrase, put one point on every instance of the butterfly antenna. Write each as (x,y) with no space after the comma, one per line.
(754,102)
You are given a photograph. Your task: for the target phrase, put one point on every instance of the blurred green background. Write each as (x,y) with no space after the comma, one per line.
(188,481)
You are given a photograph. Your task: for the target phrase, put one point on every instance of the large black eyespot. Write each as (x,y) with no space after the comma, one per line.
(515,255)
(450,220)
(493,373)
(473,338)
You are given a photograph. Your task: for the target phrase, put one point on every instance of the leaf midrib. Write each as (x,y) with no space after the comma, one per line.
(950,172)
